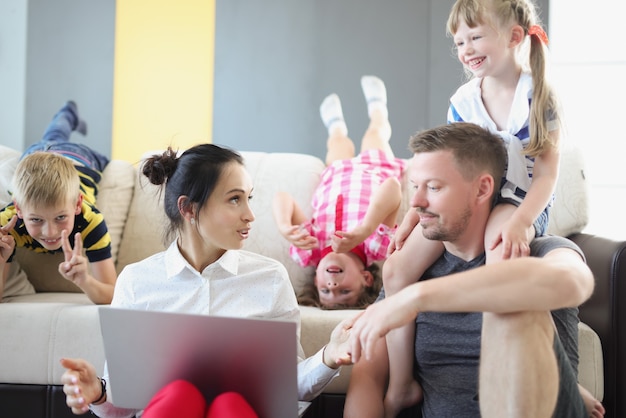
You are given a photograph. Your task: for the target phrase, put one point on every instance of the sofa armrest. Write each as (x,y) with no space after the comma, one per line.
(605,313)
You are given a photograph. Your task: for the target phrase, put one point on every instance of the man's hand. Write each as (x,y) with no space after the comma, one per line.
(380,318)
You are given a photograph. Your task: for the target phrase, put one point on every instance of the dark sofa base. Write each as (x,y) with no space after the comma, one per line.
(331,406)
(40,401)
(33,401)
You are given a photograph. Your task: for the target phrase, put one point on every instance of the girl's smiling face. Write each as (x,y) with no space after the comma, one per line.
(340,279)
(482,49)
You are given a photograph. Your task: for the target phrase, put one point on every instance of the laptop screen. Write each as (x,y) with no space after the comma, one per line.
(145,350)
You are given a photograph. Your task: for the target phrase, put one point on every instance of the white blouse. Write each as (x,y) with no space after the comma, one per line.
(239,284)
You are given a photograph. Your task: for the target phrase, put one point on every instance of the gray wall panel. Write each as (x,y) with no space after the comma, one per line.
(70,50)
(276,60)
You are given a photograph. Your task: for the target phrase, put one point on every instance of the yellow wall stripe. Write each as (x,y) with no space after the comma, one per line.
(163,75)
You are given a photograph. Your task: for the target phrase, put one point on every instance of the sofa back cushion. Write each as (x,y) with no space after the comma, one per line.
(145,224)
(570,211)
(299,174)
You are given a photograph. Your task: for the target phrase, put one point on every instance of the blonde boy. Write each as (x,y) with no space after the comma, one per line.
(54,191)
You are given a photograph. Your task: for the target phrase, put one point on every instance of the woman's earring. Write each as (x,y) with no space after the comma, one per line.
(193,221)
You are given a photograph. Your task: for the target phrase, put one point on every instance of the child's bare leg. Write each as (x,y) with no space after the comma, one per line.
(404,391)
(378,132)
(338,146)
(368,381)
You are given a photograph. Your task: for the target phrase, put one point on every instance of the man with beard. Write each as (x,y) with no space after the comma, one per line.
(486,343)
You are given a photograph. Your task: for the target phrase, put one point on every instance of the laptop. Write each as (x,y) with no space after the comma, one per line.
(145,350)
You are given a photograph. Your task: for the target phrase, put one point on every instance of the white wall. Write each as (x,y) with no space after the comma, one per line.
(589,68)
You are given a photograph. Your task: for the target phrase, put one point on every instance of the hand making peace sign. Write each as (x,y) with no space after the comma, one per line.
(75,267)
(7,242)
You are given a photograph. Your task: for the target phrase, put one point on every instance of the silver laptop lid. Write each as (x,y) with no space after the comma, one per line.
(145,350)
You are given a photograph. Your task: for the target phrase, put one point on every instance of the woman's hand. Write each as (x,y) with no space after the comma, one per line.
(336,352)
(80,385)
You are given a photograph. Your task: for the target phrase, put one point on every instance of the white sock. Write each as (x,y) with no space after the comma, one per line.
(375,94)
(332,115)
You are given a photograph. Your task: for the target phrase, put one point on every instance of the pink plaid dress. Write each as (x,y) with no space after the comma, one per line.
(355,180)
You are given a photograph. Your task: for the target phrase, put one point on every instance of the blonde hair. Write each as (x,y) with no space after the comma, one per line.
(45,179)
(544,108)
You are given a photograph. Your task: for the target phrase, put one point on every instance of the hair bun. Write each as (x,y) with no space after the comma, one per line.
(159,168)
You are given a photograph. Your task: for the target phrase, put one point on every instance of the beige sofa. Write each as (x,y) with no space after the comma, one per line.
(43,317)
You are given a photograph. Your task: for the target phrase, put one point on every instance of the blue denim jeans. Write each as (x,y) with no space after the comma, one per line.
(56,138)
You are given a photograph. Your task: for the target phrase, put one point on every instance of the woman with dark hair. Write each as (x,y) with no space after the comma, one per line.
(204,271)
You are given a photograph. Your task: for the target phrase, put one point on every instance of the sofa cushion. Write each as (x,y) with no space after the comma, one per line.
(271,173)
(570,212)
(17,282)
(590,366)
(144,226)
(54,325)
(8,161)
(115,193)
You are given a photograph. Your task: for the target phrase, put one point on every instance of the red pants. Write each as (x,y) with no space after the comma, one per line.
(181,399)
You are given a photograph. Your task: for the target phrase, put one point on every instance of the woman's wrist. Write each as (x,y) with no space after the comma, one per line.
(328,362)
(103,392)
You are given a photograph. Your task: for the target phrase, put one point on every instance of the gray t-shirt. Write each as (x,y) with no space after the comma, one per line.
(447,345)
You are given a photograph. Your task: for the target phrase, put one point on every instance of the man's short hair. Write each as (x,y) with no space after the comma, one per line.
(45,179)
(475,149)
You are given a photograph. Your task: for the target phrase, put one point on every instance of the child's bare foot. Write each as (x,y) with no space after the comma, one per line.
(594,407)
(396,401)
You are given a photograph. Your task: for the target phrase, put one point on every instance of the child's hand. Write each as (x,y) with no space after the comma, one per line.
(409,222)
(7,243)
(344,241)
(515,239)
(75,267)
(299,237)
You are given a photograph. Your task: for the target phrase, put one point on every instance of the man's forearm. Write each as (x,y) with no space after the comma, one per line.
(556,281)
